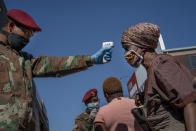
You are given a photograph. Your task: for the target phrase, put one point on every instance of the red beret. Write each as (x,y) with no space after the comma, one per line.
(23,18)
(89,94)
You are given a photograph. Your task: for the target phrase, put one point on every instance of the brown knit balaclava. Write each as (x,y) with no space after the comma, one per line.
(143,35)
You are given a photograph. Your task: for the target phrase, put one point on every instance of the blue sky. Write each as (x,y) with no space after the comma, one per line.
(72,27)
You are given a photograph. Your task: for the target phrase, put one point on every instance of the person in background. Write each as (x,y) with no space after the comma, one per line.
(84,122)
(18,68)
(116,115)
(169,90)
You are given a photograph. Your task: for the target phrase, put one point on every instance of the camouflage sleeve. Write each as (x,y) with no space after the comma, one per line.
(82,123)
(78,125)
(45,66)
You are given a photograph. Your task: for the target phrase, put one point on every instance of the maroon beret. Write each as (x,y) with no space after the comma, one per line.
(23,18)
(90,93)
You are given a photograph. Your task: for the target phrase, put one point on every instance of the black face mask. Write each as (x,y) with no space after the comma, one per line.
(16,41)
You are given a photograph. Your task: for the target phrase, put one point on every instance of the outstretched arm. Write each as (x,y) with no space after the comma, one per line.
(45,66)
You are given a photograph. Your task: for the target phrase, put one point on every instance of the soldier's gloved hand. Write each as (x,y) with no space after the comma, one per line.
(93,114)
(103,53)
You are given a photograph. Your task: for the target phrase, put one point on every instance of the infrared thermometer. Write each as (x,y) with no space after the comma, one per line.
(107,44)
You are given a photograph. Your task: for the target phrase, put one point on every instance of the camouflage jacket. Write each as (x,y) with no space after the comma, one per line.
(16,73)
(83,122)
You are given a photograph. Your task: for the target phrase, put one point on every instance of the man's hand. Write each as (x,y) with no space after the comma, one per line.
(103,53)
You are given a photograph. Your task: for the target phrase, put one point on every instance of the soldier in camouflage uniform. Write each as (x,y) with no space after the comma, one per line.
(17,69)
(84,122)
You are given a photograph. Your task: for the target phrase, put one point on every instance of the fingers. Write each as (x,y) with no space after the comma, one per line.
(108,56)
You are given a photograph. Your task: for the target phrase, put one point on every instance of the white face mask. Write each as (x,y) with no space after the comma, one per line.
(91,106)
(133,58)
